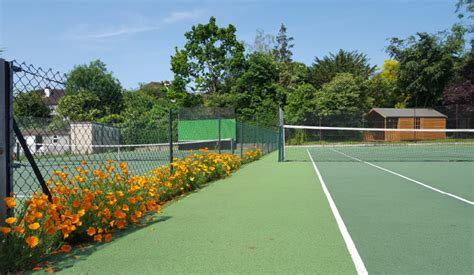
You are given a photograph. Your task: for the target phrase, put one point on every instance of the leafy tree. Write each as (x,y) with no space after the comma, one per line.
(426,64)
(256,93)
(463,7)
(461,91)
(382,87)
(31,104)
(325,69)
(344,94)
(301,101)
(95,79)
(211,56)
(83,106)
(282,50)
(263,42)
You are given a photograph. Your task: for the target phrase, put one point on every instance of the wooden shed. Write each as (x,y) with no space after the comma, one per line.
(392,118)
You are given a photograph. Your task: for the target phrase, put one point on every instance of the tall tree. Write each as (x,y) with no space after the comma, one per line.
(256,93)
(282,50)
(211,56)
(325,69)
(426,64)
(30,104)
(263,42)
(382,87)
(94,78)
(342,95)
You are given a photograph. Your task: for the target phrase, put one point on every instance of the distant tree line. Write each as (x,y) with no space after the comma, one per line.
(215,69)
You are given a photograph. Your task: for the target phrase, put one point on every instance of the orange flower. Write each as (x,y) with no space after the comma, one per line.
(125,207)
(34,226)
(19,229)
(83,162)
(32,241)
(5,230)
(66,248)
(98,238)
(10,220)
(108,237)
(91,231)
(10,202)
(76,203)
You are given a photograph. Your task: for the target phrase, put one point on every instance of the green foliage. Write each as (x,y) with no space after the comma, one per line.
(282,51)
(95,79)
(426,64)
(355,63)
(83,106)
(263,43)
(343,95)
(299,138)
(301,101)
(30,104)
(256,93)
(210,57)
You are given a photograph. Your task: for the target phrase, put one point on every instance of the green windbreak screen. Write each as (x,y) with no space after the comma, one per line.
(206,129)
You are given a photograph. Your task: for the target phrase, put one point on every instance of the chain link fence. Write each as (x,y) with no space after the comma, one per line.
(43,145)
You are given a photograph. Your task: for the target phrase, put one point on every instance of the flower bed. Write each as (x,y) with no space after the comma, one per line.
(95,202)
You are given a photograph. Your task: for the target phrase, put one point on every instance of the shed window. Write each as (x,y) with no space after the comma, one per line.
(55,139)
(392,122)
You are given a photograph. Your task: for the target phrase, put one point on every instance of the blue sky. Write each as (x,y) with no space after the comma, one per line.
(136,38)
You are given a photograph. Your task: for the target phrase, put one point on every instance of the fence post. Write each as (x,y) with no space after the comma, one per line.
(171,138)
(6,132)
(241,139)
(219,134)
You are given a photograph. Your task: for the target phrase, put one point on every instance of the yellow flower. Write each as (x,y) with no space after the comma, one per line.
(32,241)
(10,220)
(34,226)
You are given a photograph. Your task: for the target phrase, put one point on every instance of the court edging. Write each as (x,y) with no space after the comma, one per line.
(356,258)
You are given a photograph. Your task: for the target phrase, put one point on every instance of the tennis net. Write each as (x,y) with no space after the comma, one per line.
(340,144)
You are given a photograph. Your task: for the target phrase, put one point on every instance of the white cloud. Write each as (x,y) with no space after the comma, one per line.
(136,26)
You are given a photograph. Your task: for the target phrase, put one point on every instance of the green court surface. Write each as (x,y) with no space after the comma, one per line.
(268,217)
(402,217)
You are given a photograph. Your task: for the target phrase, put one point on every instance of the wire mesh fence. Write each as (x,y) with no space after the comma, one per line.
(58,144)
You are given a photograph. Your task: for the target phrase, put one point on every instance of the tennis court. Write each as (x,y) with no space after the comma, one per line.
(404,207)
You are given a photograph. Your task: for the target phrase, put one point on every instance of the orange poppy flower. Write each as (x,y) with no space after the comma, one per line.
(108,237)
(66,248)
(10,220)
(32,241)
(10,202)
(5,230)
(91,231)
(34,226)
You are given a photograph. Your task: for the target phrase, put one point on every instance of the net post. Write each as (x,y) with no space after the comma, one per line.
(281,135)
(6,138)
(171,139)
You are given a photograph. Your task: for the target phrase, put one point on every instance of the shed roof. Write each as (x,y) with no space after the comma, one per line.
(408,112)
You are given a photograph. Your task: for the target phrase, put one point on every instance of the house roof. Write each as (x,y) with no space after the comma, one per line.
(54,96)
(407,112)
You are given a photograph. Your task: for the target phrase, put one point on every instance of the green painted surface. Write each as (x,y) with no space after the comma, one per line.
(269,217)
(400,227)
(206,129)
(456,178)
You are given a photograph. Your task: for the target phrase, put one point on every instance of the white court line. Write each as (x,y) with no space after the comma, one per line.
(407,178)
(359,264)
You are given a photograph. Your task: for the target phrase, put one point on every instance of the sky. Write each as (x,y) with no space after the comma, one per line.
(137,38)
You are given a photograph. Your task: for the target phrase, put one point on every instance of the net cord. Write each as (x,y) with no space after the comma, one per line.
(378,129)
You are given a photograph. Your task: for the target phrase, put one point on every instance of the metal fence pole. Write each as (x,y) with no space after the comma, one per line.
(6,132)
(241,139)
(171,138)
(219,134)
